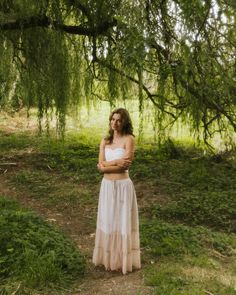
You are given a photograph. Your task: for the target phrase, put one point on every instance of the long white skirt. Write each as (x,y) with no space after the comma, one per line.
(117,243)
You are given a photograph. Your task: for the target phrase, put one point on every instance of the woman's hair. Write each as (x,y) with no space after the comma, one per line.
(127,127)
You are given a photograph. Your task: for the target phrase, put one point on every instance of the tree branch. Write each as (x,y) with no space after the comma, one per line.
(80,6)
(45,22)
(208,2)
(211,104)
(149,94)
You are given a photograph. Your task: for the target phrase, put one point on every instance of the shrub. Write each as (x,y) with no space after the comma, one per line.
(33,252)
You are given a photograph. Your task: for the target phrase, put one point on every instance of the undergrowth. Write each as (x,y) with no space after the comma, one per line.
(170,278)
(201,188)
(164,239)
(193,230)
(187,260)
(33,253)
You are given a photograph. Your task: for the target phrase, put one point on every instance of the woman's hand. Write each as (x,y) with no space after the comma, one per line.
(100,167)
(123,163)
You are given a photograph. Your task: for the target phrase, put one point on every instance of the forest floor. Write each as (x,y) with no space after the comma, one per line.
(68,201)
(76,219)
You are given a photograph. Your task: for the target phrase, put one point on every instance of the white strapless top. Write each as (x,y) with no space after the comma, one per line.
(114,154)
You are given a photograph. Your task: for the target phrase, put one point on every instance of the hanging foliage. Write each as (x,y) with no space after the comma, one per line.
(178,54)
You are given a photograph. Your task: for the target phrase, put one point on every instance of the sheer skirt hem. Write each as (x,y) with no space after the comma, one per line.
(116,251)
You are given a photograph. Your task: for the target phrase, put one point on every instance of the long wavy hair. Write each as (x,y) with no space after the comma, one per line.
(127,127)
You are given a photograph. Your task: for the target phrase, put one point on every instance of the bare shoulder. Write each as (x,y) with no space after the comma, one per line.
(129,140)
(103,142)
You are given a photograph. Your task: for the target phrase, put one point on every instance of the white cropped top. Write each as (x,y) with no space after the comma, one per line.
(114,154)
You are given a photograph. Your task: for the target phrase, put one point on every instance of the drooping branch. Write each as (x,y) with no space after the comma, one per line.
(136,81)
(211,104)
(83,8)
(45,22)
(203,24)
(179,55)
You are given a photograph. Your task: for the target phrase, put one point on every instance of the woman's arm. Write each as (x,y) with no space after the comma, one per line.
(126,161)
(129,147)
(101,156)
(123,162)
(119,165)
(109,163)
(111,169)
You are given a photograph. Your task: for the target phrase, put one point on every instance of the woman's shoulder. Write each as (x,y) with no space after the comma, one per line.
(104,141)
(129,139)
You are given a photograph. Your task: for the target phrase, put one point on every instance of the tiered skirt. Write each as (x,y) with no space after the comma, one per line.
(117,244)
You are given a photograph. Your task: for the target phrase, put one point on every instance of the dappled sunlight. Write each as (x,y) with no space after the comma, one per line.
(205,274)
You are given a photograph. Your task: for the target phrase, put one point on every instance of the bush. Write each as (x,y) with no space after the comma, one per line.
(164,239)
(33,252)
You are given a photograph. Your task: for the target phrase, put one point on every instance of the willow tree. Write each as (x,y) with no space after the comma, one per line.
(177,54)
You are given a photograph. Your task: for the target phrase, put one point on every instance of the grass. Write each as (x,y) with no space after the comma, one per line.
(16,141)
(188,240)
(56,190)
(188,260)
(33,253)
(163,239)
(201,190)
(171,278)
(39,183)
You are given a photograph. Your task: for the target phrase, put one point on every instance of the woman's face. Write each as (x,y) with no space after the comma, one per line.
(116,122)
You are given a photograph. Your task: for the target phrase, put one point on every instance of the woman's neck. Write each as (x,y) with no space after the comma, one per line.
(117,135)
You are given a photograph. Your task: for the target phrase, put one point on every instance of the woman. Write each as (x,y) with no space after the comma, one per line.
(117,233)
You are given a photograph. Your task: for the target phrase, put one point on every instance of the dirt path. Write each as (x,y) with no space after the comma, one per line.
(97,280)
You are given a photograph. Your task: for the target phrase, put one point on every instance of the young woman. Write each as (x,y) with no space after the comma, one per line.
(117,244)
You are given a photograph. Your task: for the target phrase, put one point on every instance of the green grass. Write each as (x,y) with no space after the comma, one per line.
(171,279)
(39,183)
(55,190)
(17,141)
(33,253)
(190,233)
(72,155)
(212,208)
(202,190)
(187,260)
(163,239)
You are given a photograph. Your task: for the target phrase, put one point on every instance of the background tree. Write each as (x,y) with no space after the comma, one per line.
(178,54)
